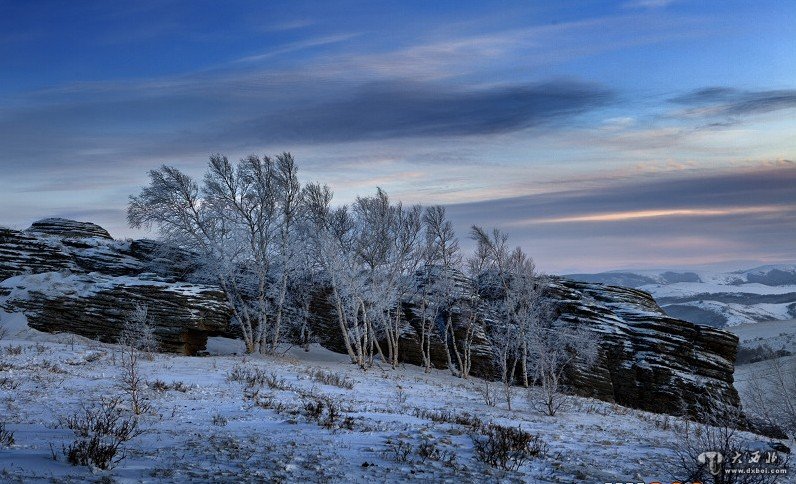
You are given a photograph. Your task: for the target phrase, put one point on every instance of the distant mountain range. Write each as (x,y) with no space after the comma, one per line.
(764,293)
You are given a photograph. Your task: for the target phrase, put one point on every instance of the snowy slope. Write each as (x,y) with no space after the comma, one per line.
(714,298)
(209,430)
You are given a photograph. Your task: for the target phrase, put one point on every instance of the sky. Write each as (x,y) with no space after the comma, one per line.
(600,135)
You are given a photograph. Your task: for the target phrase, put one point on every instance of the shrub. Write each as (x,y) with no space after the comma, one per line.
(428,450)
(323,410)
(507,447)
(688,462)
(448,416)
(6,436)
(488,394)
(397,450)
(329,378)
(7,383)
(13,350)
(162,386)
(256,377)
(102,430)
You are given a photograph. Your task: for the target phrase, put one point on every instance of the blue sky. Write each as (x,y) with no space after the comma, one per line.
(639,133)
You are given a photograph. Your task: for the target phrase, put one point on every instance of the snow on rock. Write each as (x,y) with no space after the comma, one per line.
(96,306)
(61,227)
(647,360)
(21,252)
(87,286)
(73,277)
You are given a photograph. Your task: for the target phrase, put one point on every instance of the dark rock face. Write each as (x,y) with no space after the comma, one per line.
(21,252)
(64,228)
(73,277)
(646,359)
(96,306)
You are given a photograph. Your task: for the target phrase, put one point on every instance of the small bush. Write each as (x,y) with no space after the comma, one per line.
(6,436)
(162,386)
(329,378)
(159,386)
(13,350)
(266,401)
(400,395)
(52,367)
(323,410)
(94,356)
(397,450)
(256,377)
(102,430)
(488,394)
(428,450)
(507,448)
(220,420)
(448,416)
(7,383)
(179,386)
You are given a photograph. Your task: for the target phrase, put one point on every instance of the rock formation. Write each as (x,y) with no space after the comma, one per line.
(69,276)
(73,277)
(646,359)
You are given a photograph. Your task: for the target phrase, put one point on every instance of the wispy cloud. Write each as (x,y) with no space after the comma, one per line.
(649,3)
(300,45)
(734,213)
(403,109)
(725,102)
(113,122)
(288,25)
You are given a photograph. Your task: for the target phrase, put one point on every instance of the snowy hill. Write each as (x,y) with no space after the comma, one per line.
(206,423)
(719,299)
(68,276)
(67,290)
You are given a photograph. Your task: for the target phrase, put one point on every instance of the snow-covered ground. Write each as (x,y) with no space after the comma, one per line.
(683,289)
(714,297)
(208,427)
(776,334)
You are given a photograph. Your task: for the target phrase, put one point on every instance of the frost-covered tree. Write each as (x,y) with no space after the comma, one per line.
(288,201)
(770,396)
(329,235)
(491,264)
(138,331)
(441,262)
(239,221)
(550,348)
(272,246)
(136,339)
(526,332)
(387,252)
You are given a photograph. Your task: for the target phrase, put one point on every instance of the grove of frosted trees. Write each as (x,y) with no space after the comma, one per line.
(268,241)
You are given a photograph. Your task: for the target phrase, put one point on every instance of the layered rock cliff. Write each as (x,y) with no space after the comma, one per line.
(645,360)
(69,276)
(73,277)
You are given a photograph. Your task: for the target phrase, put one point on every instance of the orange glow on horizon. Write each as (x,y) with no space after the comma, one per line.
(641,214)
